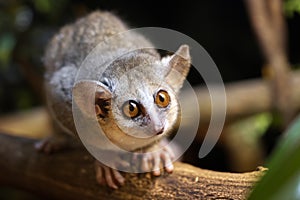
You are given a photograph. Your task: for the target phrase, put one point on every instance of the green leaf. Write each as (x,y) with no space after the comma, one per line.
(7,43)
(44,6)
(291,6)
(282,181)
(50,7)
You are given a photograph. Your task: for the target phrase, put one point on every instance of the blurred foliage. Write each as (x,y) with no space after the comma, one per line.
(25,28)
(282,181)
(291,7)
(254,126)
(7,43)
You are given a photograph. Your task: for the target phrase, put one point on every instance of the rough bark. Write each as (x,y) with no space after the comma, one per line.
(70,175)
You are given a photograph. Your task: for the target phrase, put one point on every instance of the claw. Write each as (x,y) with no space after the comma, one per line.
(117,175)
(168,165)
(108,176)
(169,168)
(109,179)
(156,166)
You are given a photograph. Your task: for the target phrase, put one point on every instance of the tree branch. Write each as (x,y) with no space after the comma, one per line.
(70,175)
(268,22)
(244,98)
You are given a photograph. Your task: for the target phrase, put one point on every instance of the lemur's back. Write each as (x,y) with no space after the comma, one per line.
(71,45)
(73,42)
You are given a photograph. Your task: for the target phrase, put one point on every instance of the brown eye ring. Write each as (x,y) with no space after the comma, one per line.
(162,99)
(131,109)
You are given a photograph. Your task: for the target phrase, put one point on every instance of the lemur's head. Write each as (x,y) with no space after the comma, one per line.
(135,100)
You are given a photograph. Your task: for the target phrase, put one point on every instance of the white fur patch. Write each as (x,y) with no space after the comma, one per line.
(165,60)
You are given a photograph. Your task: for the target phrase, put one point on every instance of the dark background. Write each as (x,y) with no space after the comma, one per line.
(220,26)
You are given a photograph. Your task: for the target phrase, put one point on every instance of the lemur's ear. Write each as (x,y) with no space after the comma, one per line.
(179,66)
(92,97)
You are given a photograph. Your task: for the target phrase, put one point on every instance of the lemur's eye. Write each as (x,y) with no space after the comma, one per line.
(131,109)
(162,99)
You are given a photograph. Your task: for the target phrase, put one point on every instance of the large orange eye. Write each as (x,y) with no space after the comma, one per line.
(162,99)
(131,109)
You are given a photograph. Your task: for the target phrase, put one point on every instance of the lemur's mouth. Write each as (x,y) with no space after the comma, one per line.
(160,131)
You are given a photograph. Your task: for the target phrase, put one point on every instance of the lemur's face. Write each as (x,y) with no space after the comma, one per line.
(144,105)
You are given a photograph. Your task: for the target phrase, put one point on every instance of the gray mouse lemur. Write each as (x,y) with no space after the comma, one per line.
(128,107)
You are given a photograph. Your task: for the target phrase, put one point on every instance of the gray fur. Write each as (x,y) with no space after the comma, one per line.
(135,75)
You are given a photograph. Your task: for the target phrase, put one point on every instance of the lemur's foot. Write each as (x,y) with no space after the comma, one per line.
(161,157)
(52,144)
(108,176)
